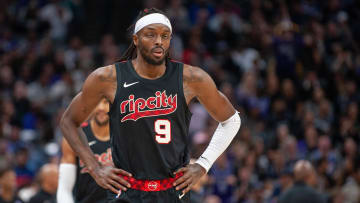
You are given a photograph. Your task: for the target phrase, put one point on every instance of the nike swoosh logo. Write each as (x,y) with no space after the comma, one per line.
(181,196)
(92,143)
(204,158)
(128,85)
(118,194)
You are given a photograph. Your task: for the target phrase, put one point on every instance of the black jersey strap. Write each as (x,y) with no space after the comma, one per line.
(118,86)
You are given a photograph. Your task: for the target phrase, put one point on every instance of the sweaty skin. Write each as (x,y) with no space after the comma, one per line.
(154,42)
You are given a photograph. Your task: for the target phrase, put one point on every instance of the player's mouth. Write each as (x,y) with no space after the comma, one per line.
(158,52)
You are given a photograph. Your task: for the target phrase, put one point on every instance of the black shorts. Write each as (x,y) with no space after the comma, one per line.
(137,196)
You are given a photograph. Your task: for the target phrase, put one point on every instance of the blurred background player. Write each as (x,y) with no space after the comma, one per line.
(72,169)
(48,178)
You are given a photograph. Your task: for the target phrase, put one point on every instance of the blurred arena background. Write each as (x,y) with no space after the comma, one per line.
(292,68)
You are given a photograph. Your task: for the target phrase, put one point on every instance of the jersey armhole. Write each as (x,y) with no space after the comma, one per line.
(117,93)
(181,86)
(89,132)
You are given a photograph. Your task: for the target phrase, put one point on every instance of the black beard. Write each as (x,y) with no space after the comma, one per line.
(148,59)
(99,123)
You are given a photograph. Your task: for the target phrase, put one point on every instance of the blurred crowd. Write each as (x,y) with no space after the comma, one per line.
(291,67)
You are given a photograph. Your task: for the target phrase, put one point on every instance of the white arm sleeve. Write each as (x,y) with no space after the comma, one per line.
(221,139)
(67,176)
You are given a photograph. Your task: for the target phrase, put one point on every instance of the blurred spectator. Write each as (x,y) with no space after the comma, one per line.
(8,185)
(351,187)
(302,191)
(178,14)
(284,183)
(58,16)
(48,177)
(287,46)
(325,151)
(23,175)
(224,180)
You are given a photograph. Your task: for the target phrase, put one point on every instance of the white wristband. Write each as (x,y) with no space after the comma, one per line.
(67,176)
(221,139)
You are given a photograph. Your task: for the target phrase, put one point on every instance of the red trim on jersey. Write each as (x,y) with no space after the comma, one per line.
(148,113)
(84,124)
(176,61)
(151,185)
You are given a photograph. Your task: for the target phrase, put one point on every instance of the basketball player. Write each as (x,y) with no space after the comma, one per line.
(73,171)
(149,96)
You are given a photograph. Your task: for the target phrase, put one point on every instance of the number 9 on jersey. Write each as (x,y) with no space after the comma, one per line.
(163,131)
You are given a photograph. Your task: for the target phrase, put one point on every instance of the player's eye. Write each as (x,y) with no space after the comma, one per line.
(165,36)
(150,35)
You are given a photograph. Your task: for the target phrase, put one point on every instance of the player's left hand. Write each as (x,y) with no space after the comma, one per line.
(192,174)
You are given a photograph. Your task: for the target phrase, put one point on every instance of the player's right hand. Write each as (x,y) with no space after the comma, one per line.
(108,178)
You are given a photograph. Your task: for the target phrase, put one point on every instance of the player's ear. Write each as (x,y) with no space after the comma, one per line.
(135,39)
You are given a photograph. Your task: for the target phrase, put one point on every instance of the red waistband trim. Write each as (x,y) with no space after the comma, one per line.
(151,185)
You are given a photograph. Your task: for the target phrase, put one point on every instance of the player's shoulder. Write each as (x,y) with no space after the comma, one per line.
(105,73)
(194,74)
(101,82)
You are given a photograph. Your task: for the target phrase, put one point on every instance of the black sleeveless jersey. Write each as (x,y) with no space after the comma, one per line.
(86,189)
(149,122)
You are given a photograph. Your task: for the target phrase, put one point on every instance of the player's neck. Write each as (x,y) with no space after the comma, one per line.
(100,132)
(146,70)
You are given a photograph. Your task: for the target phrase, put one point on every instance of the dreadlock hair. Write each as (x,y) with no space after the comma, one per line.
(130,53)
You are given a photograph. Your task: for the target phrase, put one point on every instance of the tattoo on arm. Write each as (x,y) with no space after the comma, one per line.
(108,77)
(84,110)
(188,79)
(192,77)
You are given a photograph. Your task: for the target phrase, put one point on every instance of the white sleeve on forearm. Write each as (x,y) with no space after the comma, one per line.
(221,139)
(67,176)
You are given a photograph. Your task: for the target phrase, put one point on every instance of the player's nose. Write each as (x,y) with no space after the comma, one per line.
(158,40)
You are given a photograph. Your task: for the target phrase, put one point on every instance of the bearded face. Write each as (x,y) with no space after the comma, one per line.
(153,43)
(101,116)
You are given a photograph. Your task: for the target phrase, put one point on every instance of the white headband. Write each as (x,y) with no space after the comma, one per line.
(152,19)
